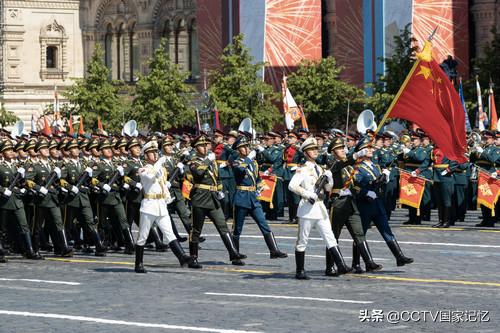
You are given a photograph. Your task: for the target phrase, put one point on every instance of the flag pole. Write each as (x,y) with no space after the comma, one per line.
(347,117)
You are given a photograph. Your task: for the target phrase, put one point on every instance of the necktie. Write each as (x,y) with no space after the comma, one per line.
(317,170)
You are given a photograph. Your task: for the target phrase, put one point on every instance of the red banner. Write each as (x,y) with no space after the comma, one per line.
(186,189)
(411,190)
(267,186)
(488,190)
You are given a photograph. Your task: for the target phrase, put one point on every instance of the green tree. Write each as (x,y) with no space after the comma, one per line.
(238,91)
(6,117)
(162,96)
(317,86)
(96,94)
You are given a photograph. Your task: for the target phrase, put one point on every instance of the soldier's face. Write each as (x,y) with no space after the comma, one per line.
(387,142)
(218,139)
(22,154)
(277,140)
(74,152)
(416,142)
(379,143)
(95,152)
(369,152)
(202,149)
(8,154)
(32,153)
(244,151)
(320,141)
(107,152)
(339,153)
(312,154)
(292,140)
(44,152)
(351,143)
(135,151)
(497,142)
(230,140)
(54,153)
(169,149)
(152,157)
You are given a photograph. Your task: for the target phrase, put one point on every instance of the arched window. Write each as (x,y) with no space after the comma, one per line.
(194,53)
(53,47)
(134,53)
(108,41)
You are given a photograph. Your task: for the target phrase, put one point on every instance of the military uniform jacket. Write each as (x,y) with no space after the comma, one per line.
(225,155)
(71,172)
(102,172)
(246,175)
(488,159)
(303,182)
(365,179)
(441,163)
(7,175)
(205,183)
(386,158)
(131,167)
(341,173)
(418,160)
(176,183)
(154,180)
(273,159)
(39,173)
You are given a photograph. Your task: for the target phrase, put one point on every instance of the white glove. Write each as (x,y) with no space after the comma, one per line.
(372,195)
(43,190)
(168,184)
(311,195)
(211,156)
(74,189)
(406,150)
(64,190)
(360,153)
(266,173)
(387,174)
(21,171)
(23,190)
(344,192)
(329,175)
(260,149)
(220,195)
(138,185)
(252,154)
(126,186)
(413,174)
(444,172)
(180,166)
(7,192)
(479,149)
(120,170)
(185,152)
(222,165)
(493,175)
(57,170)
(106,188)
(89,171)
(293,168)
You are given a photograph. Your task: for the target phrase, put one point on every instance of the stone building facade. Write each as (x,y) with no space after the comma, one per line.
(485,15)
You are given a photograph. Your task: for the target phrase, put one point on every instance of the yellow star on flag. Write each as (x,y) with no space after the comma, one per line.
(426,72)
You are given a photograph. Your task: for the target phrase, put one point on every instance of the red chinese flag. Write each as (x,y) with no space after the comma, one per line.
(411,190)
(267,186)
(488,191)
(428,99)
(493,112)
(187,186)
(71,130)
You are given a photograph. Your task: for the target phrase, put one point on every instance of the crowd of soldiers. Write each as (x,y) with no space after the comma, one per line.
(64,194)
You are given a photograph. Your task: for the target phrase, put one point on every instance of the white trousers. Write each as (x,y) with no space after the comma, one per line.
(324,228)
(146,222)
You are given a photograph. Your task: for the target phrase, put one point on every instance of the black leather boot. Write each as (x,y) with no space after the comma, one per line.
(339,260)
(177,249)
(401,260)
(129,241)
(176,232)
(356,265)
(100,249)
(236,241)
(274,252)
(3,260)
(446,217)
(30,254)
(330,267)
(193,252)
(364,250)
(300,273)
(139,254)
(234,255)
(66,251)
(154,233)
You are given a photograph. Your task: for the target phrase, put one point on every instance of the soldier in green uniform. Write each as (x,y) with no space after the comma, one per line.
(443,169)
(11,191)
(486,158)
(386,159)
(206,197)
(274,164)
(224,157)
(43,177)
(108,178)
(344,210)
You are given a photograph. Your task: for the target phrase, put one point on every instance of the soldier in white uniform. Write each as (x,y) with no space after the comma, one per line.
(154,206)
(304,183)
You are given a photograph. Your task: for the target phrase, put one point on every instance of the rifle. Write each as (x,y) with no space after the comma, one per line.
(14,182)
(318,188)
(114,178)
(49,182)
(176,170)
(81,180)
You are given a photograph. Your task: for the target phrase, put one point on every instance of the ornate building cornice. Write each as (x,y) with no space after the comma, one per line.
(44,4)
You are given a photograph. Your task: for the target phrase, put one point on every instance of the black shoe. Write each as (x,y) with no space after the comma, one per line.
(178,251)
(412,223)
(66,251)
(356,260)
(364,250)
(182,239)
(330,267)
(339,260)
(274,252)
(438,225)
(401,259)
(300,273)
(485,224)
(193,252)
(234,255)
(30,254)
(139,253)
(201,239)
(3,260)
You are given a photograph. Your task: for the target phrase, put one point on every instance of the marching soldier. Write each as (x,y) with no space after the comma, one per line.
(76,178)
(293,158)
(107,177)
(312,211)
(443,185)
(273,163)
(154,206)
(11,204)
(246,172)
(206,197)
(369,178)
(386,159)
(225,155)
(344,210)
(42,178)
